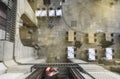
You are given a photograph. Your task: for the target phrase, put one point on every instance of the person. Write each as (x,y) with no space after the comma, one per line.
(51,73)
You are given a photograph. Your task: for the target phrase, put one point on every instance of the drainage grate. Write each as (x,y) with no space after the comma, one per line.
(73,23)
(56,3)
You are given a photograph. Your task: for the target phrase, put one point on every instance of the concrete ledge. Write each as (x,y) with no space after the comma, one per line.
(77,61)
(105,75)
(98,72)
(15,68)
(32,60)
(117,62)
(10,63)
(115,68)
(3,69)
(16,71)
(24,76)
(11,75)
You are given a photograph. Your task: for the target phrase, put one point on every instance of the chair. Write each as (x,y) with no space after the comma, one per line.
(51,8)
(67,33)
(43,12)
(74,33)
(43,8)
(74,38)
(38,12)
(51,12)
(66,38)
(75,49)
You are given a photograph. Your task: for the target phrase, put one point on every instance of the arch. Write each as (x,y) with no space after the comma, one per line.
(26,31)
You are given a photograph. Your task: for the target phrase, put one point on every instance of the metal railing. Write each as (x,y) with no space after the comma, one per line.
(11,20)
(37,74)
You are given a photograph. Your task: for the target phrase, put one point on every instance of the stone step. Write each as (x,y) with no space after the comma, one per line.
(3,68)
(63,73)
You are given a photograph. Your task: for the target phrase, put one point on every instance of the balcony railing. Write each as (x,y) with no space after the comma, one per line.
(29,12)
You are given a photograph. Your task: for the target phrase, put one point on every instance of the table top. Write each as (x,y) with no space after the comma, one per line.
(70,36)
(109,54)
(51,12)
(70,48)
(43,13)
(59,12)
(91,54)
(70,52)
(38,12)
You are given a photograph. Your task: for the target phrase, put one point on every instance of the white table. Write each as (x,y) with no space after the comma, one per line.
(109,54)
(70,52)
(51,13)
(59,12)
(91,54)
(43,13)
(38,12)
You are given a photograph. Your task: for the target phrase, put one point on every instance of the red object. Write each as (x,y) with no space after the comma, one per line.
(50,71)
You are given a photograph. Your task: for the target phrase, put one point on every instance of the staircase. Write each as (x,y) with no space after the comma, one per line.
(63,73)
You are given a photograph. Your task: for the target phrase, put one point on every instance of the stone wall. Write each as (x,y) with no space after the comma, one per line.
(22,51)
